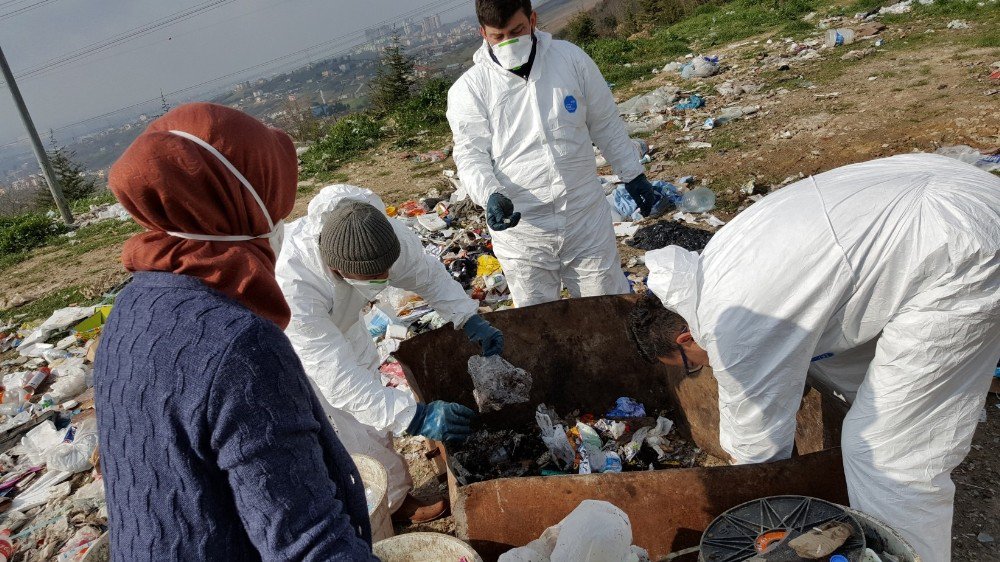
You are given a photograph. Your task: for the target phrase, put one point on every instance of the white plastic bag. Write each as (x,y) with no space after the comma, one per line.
(657,437)
(37,442)
(596,531)
(75,456)
(969,155)
(554,437)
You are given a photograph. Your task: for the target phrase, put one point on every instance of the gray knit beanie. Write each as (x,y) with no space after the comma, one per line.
(358,239)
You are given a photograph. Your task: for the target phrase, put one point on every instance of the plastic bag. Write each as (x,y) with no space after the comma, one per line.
(497,383)
(700,67)
(969,155)
(74,455)
(657,437)
(70,385)
(626,407)
(596,531)
(554,437)
(37,442)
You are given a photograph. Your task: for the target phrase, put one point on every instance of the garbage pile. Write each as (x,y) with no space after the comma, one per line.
(623,439)
(453,229)
(51,492)
(99,213)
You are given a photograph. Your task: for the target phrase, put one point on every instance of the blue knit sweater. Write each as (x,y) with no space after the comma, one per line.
(213,445)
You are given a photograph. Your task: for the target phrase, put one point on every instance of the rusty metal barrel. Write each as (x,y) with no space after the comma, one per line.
(580,357)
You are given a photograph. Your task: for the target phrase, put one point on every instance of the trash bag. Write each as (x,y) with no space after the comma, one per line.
(497,383)
(700,67)
(596,531)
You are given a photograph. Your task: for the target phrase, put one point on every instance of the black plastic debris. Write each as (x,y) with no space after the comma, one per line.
(669,233)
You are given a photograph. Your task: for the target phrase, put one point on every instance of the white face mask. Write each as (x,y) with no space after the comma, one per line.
(369,288)
(514,53)
(276,232)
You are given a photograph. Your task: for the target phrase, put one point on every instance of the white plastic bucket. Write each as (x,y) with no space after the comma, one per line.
(425,547)
(375,479)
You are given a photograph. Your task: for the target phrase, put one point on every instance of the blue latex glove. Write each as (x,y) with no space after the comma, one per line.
(500,213)
(641,191)
(442,421)
(482,332)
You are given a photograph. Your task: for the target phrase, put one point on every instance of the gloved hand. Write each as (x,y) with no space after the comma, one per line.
(442,421)
(500,213)
(641,191)
(482,332)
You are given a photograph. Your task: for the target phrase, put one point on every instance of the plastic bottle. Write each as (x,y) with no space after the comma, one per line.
(6,547)
(698,200)
(838,37)
(36,380)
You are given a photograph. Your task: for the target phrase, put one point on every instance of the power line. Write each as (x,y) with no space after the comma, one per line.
(42,73)
(124,37)
(28,8)
(441,6)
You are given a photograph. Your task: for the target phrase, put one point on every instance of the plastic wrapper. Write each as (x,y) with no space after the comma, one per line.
(610,429)
(633,447)
(554,437)
(497,383)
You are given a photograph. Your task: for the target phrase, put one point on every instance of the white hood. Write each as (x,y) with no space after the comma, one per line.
(675,278)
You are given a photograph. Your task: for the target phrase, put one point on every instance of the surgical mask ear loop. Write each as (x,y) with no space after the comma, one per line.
(271,230)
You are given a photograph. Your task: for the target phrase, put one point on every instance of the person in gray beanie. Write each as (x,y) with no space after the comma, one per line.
(333,265)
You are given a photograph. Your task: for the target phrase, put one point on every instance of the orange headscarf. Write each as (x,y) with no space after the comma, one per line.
(171,184)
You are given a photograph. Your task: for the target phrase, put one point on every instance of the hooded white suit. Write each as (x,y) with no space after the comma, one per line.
(881,279)
(328,331)
(531,140)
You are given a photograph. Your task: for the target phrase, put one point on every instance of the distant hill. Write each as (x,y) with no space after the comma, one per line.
(555,14)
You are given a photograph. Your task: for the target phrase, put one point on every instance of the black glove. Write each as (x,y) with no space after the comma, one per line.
(500,213)
(641,191)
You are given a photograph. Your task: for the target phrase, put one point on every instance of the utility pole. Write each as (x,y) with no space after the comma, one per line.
(36,143)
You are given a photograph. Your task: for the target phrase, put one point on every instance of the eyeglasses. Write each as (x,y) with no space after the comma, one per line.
(687,366)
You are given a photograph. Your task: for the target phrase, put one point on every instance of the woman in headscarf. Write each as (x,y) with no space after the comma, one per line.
(213,444)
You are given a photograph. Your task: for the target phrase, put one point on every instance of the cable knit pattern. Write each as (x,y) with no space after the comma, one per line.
(213,445)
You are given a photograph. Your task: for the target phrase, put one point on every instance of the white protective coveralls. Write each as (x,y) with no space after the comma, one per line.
(885,277)
(531,140)
(329,334)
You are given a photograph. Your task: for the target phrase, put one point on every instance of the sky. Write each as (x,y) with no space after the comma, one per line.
(235,35)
